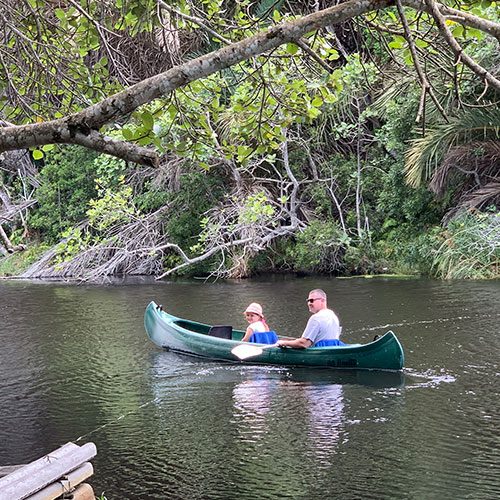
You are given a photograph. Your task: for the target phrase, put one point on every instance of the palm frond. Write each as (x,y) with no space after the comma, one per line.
(393,91)
(487,195)
(479,158)
(426,154)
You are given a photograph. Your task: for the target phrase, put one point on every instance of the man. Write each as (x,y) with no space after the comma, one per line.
(322,325)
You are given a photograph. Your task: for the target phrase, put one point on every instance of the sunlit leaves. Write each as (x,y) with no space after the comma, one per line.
(147,120)
(397,42)
(37,154)
(256,208)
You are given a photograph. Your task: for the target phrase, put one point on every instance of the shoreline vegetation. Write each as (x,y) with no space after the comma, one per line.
(14,267)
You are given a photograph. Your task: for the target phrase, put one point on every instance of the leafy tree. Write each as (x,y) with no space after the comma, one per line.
(67,185)
(92,27)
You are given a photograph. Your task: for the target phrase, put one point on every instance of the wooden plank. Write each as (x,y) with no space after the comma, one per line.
(31,468)
(83,492)
(64,485)
(52,471)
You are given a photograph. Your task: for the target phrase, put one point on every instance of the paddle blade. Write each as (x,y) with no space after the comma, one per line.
(244,351)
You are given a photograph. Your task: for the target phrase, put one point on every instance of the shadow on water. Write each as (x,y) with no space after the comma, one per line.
(168,364)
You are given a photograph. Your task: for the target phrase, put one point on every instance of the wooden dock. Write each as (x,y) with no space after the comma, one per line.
(60,474)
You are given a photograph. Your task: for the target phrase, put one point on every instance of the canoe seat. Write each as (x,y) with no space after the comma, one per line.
(264,338)
(328,343)
(221,332)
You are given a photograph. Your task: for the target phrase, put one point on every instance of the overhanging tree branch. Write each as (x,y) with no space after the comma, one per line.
(82,127)
(459,51)
(490,27)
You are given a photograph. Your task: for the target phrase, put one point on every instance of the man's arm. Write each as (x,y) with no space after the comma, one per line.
(301,343)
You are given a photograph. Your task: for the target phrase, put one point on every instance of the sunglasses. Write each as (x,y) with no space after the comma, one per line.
(310,301)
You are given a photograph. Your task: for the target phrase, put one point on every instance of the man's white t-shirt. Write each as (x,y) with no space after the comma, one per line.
(323,325)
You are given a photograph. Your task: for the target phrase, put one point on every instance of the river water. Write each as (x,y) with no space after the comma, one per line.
(76,365)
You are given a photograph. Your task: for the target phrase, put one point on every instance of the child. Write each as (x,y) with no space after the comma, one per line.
(255,318)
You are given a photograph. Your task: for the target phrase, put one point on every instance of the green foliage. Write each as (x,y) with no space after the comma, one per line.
(396,107)
(273,259)
(319,248)
(240,113)
(403,250)
(361,258)
(46,64)
(110,209)
(402,205)
(151,199)
(406,224)
(109,170)
(256,208)
(75,240)
(67,184)
(470,247)
(112,206)
(323,208)
(198,193)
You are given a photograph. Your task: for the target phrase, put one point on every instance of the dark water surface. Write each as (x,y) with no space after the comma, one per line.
(76,365)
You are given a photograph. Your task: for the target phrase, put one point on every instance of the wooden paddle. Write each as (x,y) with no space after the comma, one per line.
(244,351)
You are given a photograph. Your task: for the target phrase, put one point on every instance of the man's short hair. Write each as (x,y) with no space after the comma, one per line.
(319,292)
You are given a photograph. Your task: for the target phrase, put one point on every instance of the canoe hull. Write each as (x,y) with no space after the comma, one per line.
(189,337)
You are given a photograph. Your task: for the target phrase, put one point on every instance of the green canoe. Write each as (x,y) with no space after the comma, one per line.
(196,339)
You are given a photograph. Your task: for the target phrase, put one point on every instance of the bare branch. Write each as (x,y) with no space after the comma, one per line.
(490,27)
(303,45)
(458,50)
(195,20)
(424,82)
(262,242)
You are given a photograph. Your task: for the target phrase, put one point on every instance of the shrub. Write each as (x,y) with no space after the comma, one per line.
(319,248)
(469,247)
